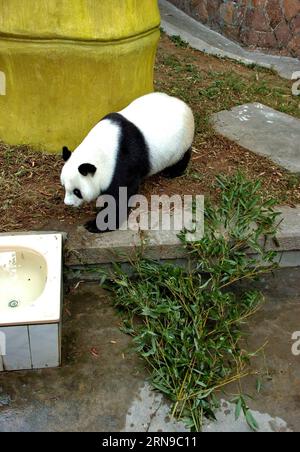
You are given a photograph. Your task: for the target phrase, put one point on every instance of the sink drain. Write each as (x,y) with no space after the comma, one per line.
(13,304)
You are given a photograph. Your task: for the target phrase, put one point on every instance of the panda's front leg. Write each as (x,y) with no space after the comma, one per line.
(132,189)
(91,226)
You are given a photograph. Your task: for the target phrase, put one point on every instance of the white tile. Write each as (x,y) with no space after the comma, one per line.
(45,345)
(17,348)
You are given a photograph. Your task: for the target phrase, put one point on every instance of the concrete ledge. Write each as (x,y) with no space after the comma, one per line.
(289,230)
(84,251)
(83,248)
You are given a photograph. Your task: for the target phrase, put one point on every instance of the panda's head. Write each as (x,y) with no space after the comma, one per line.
(79,180)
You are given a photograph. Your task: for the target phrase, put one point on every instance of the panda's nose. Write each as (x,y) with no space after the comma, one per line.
(68,201)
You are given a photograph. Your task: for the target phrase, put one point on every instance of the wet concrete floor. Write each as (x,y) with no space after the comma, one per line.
(101,385)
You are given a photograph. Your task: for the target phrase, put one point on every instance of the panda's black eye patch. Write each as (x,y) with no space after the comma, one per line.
(77,193)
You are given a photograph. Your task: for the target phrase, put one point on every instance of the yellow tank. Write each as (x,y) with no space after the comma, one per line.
(64,64)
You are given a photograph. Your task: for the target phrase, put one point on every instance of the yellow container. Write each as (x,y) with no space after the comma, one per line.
(64,64)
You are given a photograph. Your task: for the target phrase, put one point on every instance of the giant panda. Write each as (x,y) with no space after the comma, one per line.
(154,134)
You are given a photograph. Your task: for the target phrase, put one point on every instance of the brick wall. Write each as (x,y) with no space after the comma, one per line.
(268,24)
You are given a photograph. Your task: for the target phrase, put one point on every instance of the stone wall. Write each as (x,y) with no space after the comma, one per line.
(268,24)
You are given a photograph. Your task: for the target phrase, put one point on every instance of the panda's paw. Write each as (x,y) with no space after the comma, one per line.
(91,226)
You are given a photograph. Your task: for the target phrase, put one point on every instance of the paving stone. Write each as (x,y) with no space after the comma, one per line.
(264,131)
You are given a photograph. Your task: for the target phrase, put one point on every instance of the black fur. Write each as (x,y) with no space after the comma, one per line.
(132,166)
(179,168)
(87,168)
(66,153)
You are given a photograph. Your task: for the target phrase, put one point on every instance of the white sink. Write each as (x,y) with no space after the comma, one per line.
(30,300)
(30,278)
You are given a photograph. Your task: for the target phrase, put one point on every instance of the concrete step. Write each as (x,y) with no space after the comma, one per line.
(200,37)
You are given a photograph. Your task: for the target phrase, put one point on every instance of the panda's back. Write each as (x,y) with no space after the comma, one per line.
(167,124)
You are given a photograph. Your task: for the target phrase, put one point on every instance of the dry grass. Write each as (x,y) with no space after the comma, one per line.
(31,195)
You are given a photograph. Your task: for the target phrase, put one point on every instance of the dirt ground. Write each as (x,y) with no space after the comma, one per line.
(31,196)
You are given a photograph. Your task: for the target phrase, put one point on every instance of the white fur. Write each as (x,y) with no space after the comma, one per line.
(167,124)
(99,148)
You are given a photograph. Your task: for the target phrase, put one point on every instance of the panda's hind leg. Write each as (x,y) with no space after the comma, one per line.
(179,168)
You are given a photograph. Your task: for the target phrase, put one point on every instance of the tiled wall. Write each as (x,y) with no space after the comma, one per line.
(269,24)
(30,347)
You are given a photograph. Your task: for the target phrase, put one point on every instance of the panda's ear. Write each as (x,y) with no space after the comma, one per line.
(66,153)
(87,168)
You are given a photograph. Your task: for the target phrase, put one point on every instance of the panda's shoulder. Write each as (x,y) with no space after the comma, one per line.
(108,129)
(128,130)
(117,119)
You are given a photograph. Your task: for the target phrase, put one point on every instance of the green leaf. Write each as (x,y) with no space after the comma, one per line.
(258,385)
(251,421)
(238,408)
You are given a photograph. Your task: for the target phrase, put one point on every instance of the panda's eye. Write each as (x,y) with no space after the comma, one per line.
(77,193)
